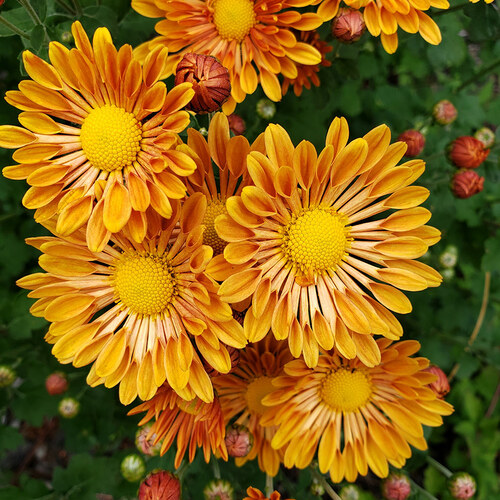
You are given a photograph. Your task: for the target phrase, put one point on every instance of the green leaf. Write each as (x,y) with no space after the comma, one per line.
(18,18)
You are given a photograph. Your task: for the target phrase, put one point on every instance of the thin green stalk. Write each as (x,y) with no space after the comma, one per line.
(179,472)
(451,9)
(14,28)
(216,468)
(78,7)
(479,74)
(328,489)
(31,11)
(65,6)
(422,490)
(440,467)
(269,485)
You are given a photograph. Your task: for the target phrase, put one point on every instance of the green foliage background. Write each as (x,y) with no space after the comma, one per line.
(369,87)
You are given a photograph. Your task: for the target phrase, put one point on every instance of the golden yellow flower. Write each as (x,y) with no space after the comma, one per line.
(253,39)
(486,1)
(384,17)
(142,314)
(191,424)
(358,418)
(241,393)
(109,154)
(322,269)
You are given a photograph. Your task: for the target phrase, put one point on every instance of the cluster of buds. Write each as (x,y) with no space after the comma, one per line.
(7,376)
(414,140)
(68,408)
(348,25)
(56,383)
(218,489)
(448,260)
(462,486)
(160,485)
(440,386)
(397,486)
(239,441)
(444,112)
(133,468)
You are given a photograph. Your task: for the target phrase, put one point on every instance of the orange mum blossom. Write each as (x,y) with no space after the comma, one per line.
(100,139)
(322,270)
(307,74)
(255,494)
(191,424)
(384,17)
(253,39)
(241,392)
(140,313)
(356,417)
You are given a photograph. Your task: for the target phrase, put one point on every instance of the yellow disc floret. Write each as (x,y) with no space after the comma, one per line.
(144,283)
(315,240)
(111,137)
(345,390)
(210,236)
(258,389)
(234,18)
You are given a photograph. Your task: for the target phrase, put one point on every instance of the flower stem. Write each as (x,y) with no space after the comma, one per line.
(451,9)
(216,468)
(269,485)
(479,74)
(14,28)
(179,472)
(328,489)
(78,7)
(422,490)
(440,467)
(65,6)
(493,403)
(34,17)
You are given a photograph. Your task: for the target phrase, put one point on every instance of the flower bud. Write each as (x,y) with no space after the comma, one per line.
(68,407)
(414,140)
(67,37)
(449,257)
(203,131)
(348,25)
(317,489)
(133,468)
(440,386)
(266,109)
(236,124)
(160,485)
(144,441)
(396,487)
(218,489)
(467,152)
(210,82)
(466,183)
(239,441)
(486,136)
(444,112)
(350,492)
(462,486)
(448,274)
(56,383)
(7,376)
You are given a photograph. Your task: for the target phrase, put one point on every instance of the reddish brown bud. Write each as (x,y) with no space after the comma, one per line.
(396,487)
(414,140)
(56,383)
(239,441)
(468,152)
(210,82)
(462,486)
(444,112)
(466,183)
(236,124)
(440,386)
(161,485)
(348,25)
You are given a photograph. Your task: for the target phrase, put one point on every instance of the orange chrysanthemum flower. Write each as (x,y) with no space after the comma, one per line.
(191,424)
(111,152)
(383,17)
(253,39)
(361,418)
(307,74)
(241,392)
(255,494)
(321,268)
(141,313)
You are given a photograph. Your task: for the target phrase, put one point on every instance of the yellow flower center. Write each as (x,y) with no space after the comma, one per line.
(346,390)
(256,391)
(234,18)
(111,137)
(144,283)
(315,240)
(210,236)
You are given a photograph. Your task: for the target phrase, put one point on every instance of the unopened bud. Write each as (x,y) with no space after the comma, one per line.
(467,152)
(236,124)
(218,489)
(444,112)
(440,386)
(66,37)
(266,109)
(348,25)
(448,274)
(462,486)
(56,383)
(160,485)
(133,468)
(7,376)
(414,140)
(144,441)
(350,492)
(466,183)
(486,136)
(396,487)
(317,489)
(239,441)
(449,257)
(210,81)
(68,407)
(203,131)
